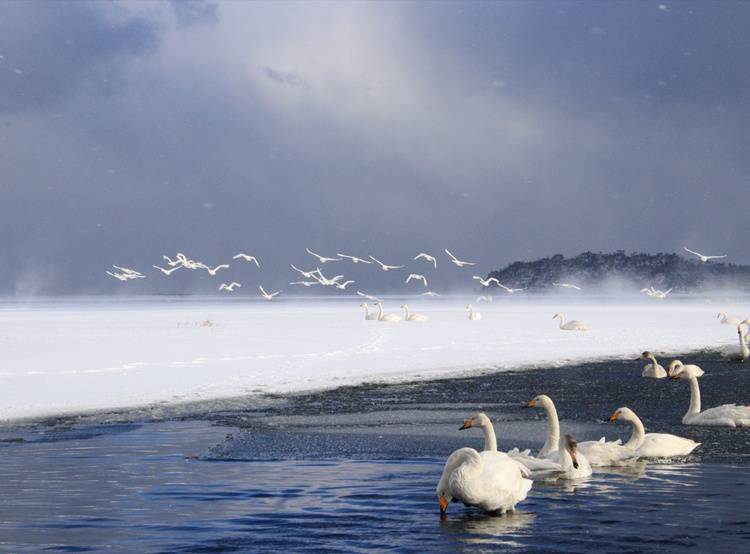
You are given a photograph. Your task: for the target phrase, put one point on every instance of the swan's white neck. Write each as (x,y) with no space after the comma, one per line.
(367,310)
(744,350)
(653,360)
(639,434)
(490,440)
(695,398)
(380,311)
(406,309)
(471,311)
(562,320)
(553,436)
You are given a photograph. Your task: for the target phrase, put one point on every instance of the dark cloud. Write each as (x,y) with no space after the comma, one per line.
(50,48)
(498,130)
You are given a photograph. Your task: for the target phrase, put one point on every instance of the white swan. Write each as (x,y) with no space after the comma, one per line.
(456,261)
(744,350)
(728,415)
(229,287)
(574,464)
(572,325)
(386,317)
(560,449)
(652,445)
(426,257)
(531,463)
(603,453)
(489,480)
(368,315)
(266,295)
(702,257)
(674,365)
(727,319)
(412,317)
(653,370)
(473,315)
(167,271)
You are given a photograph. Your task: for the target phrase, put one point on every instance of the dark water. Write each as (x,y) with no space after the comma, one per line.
(355,470)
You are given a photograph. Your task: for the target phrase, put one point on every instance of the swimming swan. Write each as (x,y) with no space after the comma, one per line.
(552,447)
(744,350)
(368,315)
(531,463)
(573,325)
(473,315)
(653,370)
(386,317)
(652,445)
(489,480)
(674,365)
(728,415)
(413,317)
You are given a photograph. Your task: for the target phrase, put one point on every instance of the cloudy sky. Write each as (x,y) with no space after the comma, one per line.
(502,131)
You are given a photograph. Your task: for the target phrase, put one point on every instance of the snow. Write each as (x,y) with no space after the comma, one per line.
(63,357)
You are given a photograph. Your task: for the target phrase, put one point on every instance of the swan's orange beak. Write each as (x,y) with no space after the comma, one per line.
(443,504)
(467,424)
(614,416)
(530,404)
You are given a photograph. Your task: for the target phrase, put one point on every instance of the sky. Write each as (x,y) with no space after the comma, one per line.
(501,131)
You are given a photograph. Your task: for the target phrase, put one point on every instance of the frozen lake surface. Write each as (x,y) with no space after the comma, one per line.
(70,356)
(354,470)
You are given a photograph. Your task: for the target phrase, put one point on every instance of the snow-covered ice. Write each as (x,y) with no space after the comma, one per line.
(71,356)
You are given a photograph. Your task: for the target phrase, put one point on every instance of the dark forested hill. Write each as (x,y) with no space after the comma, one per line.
(592,270)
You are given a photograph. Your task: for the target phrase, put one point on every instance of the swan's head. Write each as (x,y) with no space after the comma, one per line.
(404,306)
(682,372)
(645,356)
(674,366)
(567,442)
(479,419)
(469,306)
(541,401)
(624,414)
(556,316)
(718,316)
(739,328)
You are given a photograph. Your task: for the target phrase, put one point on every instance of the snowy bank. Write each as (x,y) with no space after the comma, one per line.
(69,357)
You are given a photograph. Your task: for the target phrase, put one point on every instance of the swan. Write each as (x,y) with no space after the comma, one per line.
(354,259)
(489,480)
(727,319)
(674,365)
(744,350)
(385,267)
(566,286)
(574,464)
(304,283)
(386,317)
(306,274)
(486,282)
(413,317)
(427,258)
(368,315)
(703,258)
(247,257)
(457,262)
(322,259)
(229,287)
(417,277)
(368,296)
(266,295)
(531,463)
(473,315)
(728,415)
(488,298)
(212,271)
(603,453)
(558,449)
(508,289)
(653,370)
(652,445)
(573,325)
(167,271)
(343,285)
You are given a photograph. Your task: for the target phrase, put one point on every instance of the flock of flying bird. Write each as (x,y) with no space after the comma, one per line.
(496,481)
(316,277)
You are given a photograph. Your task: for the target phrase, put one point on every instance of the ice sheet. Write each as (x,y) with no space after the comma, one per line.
(70,357)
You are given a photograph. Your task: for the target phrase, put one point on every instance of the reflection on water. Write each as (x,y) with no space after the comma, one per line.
(141,489)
